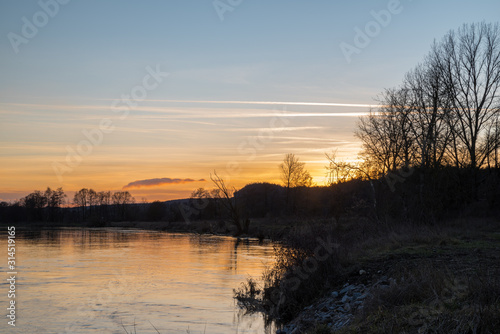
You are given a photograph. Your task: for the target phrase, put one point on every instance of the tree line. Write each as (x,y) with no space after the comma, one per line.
(445,113)
(53,206)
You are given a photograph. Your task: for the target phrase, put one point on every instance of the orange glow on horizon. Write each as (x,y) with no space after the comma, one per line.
(164,152)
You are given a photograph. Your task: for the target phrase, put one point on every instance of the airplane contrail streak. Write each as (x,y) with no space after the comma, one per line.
(326,104)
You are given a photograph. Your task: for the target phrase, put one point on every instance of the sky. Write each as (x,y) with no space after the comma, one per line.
(154,96)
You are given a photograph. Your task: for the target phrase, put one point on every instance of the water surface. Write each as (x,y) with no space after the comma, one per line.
(102,280)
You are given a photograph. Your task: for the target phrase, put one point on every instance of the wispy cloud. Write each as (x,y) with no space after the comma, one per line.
(158,182)
(196,114)
(286,103)
(269,103)
(276,129)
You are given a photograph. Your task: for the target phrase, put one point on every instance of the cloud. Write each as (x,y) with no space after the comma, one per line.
(158,182)
(194,114)
(321,104)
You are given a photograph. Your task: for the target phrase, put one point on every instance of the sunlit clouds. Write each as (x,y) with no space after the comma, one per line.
(185,139)
(158,182)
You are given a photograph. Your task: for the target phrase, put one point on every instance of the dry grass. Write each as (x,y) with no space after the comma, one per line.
(446,278)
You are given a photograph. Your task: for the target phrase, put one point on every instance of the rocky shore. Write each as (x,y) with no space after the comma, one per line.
(338,308)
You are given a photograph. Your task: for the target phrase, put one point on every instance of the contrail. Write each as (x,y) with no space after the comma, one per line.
(318,104)
(326,104)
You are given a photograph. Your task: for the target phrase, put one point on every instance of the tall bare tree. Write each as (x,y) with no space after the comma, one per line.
(55,199)
(470,62)
(428,115)
(81,199)
(293,172)
(385,133)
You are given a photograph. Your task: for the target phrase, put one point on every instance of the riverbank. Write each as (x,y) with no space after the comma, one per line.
(377,278)
(428,279)
(385,278)
(450,285)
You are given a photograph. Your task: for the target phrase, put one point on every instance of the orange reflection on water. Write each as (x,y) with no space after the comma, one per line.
(95,280)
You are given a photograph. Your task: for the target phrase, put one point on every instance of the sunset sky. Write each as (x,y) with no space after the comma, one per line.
(152,96)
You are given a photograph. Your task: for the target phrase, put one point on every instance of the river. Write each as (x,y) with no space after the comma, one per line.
(131,281)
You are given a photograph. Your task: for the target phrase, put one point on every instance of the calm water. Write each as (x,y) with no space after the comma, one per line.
(99,280)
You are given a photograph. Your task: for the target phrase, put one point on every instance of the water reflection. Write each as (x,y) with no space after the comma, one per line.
(95,280)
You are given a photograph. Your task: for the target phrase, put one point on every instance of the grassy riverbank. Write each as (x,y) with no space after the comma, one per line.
(416,278)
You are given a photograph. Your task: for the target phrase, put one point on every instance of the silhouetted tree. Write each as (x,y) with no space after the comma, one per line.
(385,133)
(34,203)
(228,201)
(55,199)
(104,201)
(121,199)
(445,113)
(93,201)
(470,62)
(340,171)
(81,200)
(293,174)
(427,111)
(447,109)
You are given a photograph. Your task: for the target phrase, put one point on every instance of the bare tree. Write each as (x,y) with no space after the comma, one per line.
(447,109)
(339,171)
(34,203)
(493,134)
(104,201)
(104,198)
(93,200)
(81,199)
(428,115)
(293,172)
(385,143)
(200,194)
(121,199)
(388,141)
(200,199)
(470,61)
(55,199)
(227,200)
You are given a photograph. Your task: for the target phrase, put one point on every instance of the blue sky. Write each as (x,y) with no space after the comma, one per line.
(90,53)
